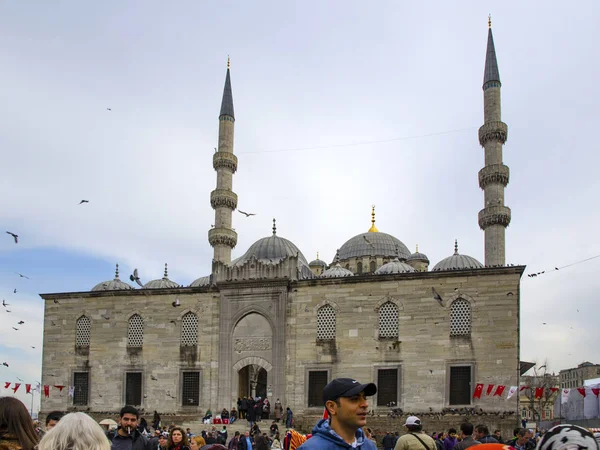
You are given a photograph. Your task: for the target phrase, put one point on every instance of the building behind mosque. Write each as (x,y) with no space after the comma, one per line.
(272,324)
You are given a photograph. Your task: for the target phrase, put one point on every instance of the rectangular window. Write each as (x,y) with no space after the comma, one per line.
(81,388)
(317,380)
(190,390)
(133,388)
(460,385)
(387,387)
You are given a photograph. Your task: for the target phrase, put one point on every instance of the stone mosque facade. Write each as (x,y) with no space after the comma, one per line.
(271,323)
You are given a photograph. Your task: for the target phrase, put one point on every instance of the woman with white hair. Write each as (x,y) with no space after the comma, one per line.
(75,431)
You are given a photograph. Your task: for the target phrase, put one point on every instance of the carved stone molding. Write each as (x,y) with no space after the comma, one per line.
(494,173)
(493,131)
(225,159)
(252,344)
(224,236)
(223,197)
(494,215)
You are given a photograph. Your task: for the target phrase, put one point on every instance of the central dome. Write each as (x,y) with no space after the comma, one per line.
(373,244)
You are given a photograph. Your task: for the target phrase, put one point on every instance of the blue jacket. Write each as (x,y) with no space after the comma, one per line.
(324,438)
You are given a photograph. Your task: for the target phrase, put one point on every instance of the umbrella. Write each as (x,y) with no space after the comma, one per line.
(108,422)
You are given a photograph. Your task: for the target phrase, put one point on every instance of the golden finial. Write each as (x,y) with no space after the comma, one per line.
(373,228)
(490,21)
(317,255)
(417,249)
(228,62)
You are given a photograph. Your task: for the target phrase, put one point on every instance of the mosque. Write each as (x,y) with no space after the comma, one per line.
(272,324)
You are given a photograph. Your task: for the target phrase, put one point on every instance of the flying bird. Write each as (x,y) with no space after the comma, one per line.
(84,201)
(176,303)
(4,303)
(32,346)
(152,377)
(20,379)
(16,329)
(556,268)
(8,310)
(15,291)
(56,302)
(437,296)
(15,236)
(21,275)
(5,364)
(368,241)
(509,294)
(106,316)
(135,277)
(544,323)
(174,322)
(20,322)
(109,109)
(245,213)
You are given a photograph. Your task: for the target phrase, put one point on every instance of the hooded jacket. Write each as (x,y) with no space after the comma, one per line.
(324,438)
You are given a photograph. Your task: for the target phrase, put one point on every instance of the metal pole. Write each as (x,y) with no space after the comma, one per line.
(31,404)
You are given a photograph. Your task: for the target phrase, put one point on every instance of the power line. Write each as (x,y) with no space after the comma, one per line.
(534,275)
(353,144)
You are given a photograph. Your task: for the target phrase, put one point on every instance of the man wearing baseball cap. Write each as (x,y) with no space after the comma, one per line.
(346,407)
(415,439)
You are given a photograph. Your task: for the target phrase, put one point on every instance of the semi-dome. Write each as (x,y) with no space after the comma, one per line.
(457,262)
(416,256)
(202,281)
(336,270)
(373,243)
(161,283)
(113,285)
(395,266)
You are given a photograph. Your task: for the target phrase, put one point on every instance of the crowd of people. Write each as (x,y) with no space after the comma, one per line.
(342,427)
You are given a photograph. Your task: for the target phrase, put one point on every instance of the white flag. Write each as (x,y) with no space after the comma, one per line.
(511,392)
(565,395)
(71,391)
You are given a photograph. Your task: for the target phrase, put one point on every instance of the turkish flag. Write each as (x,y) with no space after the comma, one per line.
(596,391)
(27,388)
(478,390)
(59,387)
(46,390)
(489,389)
(499,390)
(581,391)
(554,390)
(6,384)
(16,388)
(539,391)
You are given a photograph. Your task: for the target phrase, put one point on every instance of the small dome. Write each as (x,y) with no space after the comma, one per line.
(317,262)
(395,266)
(113,285)
(336,271)
(161,283)
(202,281)
(457,262)
(416,256)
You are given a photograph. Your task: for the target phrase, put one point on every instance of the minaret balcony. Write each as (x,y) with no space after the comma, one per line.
(493,131)
(494,215)
(222,236)
(223,197)
(225,160)
(494,174)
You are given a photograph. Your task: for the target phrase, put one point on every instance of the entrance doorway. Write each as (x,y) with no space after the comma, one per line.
(252,381)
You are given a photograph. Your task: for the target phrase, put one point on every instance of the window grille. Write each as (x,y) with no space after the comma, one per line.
(190,392)
(460,318)
(81,385)
(82,335)
(372,266)
(326,323)
(359,269)
(460,385)
(388,321)
(189,330)
(317,380)
(387,387)
(135,333)
(133,388)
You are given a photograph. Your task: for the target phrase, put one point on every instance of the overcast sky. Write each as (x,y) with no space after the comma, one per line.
(339,105)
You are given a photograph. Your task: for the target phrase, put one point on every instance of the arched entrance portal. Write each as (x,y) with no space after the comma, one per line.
(253,381)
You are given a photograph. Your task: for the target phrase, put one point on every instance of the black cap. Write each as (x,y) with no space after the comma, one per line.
(346,387)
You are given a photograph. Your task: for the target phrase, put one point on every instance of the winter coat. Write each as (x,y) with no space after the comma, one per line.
(449,443)
(139,441)
(9,442)
(466,443)
(324,438)
(278,410)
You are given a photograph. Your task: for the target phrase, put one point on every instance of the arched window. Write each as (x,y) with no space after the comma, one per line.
(359,268)
(460,318)
(388,321)
(372,266)
(82,336)
(326,323)
(348,266)
(135,332)
(189,330)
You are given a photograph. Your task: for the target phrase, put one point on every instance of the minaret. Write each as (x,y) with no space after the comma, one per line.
(493,178)
(223,200)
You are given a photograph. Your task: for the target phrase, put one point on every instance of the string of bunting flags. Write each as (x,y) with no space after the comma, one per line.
(538,392)
(38,388)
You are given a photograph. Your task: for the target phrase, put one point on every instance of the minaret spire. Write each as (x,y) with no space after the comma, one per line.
(223,200)
(373,228)
(493,178)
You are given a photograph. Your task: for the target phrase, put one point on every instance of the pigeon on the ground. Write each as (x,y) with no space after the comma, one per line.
(437,296)
(84,201)
(15,236)
(135,277)
(245,213)
(21,275)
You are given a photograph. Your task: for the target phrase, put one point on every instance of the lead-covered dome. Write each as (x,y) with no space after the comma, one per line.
(417,256)
(113,285)
(202,281)
(161,283)
(457,262)
(318,262)
(395,266)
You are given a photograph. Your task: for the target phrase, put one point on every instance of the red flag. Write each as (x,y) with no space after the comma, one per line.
(596,391)
(554,390)
(499,390)
(46,390)
(6,384)
(27,388)
(581,391)
(16,388)
(539,391)
(523,387)
(489,389)
(478,390)
(59,387)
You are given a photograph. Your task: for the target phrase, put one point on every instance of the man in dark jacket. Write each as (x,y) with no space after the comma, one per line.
(128,436)
(522,441)
(466,435)
(346,405)
(388,441)
(246,442)
(482,434)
